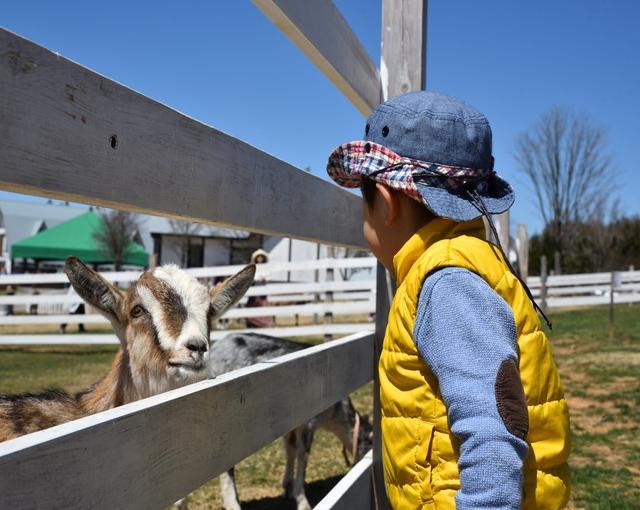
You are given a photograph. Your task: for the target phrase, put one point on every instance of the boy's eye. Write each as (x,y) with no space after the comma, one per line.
(137,311)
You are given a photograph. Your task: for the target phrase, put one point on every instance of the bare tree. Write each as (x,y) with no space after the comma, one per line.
(117,233)
(183,230)
(565,158)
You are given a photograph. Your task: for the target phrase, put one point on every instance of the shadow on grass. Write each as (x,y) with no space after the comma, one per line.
(315,491)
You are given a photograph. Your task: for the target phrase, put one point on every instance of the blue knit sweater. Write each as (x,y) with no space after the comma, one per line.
(464,330)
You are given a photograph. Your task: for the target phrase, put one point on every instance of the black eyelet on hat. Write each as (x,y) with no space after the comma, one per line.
(367,148)
(366,129)
(385,131)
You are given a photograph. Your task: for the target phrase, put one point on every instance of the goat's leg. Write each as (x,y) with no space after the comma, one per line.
(230,499)
(289,440)
(304,437)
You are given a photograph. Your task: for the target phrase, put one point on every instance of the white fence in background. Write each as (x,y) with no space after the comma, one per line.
(295,300)
(300,299)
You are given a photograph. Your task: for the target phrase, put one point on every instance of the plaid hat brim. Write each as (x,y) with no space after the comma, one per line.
(441,188)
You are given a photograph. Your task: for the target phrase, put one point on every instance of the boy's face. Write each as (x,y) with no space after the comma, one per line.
(390,218)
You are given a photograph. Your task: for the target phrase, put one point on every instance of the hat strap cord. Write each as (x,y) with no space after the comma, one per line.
(477,202)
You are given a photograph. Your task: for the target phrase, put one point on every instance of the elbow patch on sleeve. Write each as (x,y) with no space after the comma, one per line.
(510,398)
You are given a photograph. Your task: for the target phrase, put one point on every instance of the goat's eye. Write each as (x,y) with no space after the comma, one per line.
(137,311)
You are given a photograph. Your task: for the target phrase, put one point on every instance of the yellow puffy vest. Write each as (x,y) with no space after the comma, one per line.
(419,451)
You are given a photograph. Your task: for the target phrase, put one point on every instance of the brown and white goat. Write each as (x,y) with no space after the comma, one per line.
(162,321)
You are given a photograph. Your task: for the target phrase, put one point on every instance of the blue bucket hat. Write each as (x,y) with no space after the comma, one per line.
(435,148)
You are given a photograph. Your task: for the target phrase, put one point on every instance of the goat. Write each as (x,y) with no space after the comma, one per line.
(162,322)
(354,431)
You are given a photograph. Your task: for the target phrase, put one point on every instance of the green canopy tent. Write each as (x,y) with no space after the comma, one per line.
(74,237)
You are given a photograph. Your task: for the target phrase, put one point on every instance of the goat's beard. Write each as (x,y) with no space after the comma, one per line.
(188,373)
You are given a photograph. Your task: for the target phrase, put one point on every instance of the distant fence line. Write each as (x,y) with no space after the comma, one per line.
(297,299)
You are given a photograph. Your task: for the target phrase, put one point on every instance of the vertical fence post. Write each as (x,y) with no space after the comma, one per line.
(328,316)
(543,283)
(384,295)
(502,221)
(402,69)
(523,251)
(557,266)
(316,278)
(611,306)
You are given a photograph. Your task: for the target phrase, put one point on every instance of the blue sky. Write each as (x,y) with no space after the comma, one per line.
(225,64)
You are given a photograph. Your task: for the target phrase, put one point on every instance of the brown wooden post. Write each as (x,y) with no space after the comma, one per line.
(543,283)
(402,69)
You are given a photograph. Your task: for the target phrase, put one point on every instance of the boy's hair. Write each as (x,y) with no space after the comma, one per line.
(368,189)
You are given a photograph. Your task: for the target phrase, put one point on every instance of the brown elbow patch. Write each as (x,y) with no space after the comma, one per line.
(512,403)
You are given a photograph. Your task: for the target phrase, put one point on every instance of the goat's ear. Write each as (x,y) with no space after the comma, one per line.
(229,292)
(94,289)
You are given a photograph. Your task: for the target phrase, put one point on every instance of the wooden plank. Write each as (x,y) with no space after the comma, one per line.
(149,453)
(71,134)
(287,290)
(404,46)
(402,69)
(342,308)
(263,270)
(384,297)
(580,301)
(523,250)
(107,339)
(353,491)
(318,29)
(70,339)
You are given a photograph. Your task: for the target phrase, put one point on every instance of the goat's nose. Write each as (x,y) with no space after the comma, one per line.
(197,345)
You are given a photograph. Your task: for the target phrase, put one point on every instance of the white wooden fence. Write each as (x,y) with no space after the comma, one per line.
(348,298)
(71,134)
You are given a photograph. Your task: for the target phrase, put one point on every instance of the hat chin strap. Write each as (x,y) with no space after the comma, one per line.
(478,203)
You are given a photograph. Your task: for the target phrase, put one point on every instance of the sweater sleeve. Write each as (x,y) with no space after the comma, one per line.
(466,334)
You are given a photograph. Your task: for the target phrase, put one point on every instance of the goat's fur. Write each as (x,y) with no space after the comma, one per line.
(240,350)
(162,322)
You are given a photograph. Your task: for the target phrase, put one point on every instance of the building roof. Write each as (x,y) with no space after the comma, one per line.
(23,219)
(157,225)
(75,237)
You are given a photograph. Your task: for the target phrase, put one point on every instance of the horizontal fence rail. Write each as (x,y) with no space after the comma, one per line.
(236,313)
(109,339)
(297,299)
(70,133)
(262,271)
(323,35)
(353,491)
(150,453)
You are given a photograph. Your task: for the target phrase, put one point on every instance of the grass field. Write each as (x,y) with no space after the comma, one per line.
(601,378)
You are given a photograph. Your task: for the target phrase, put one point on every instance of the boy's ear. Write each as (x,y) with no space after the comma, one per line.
(94,289)
(389,201)
(229,292)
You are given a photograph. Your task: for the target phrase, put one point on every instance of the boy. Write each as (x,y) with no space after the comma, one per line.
(473,412)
